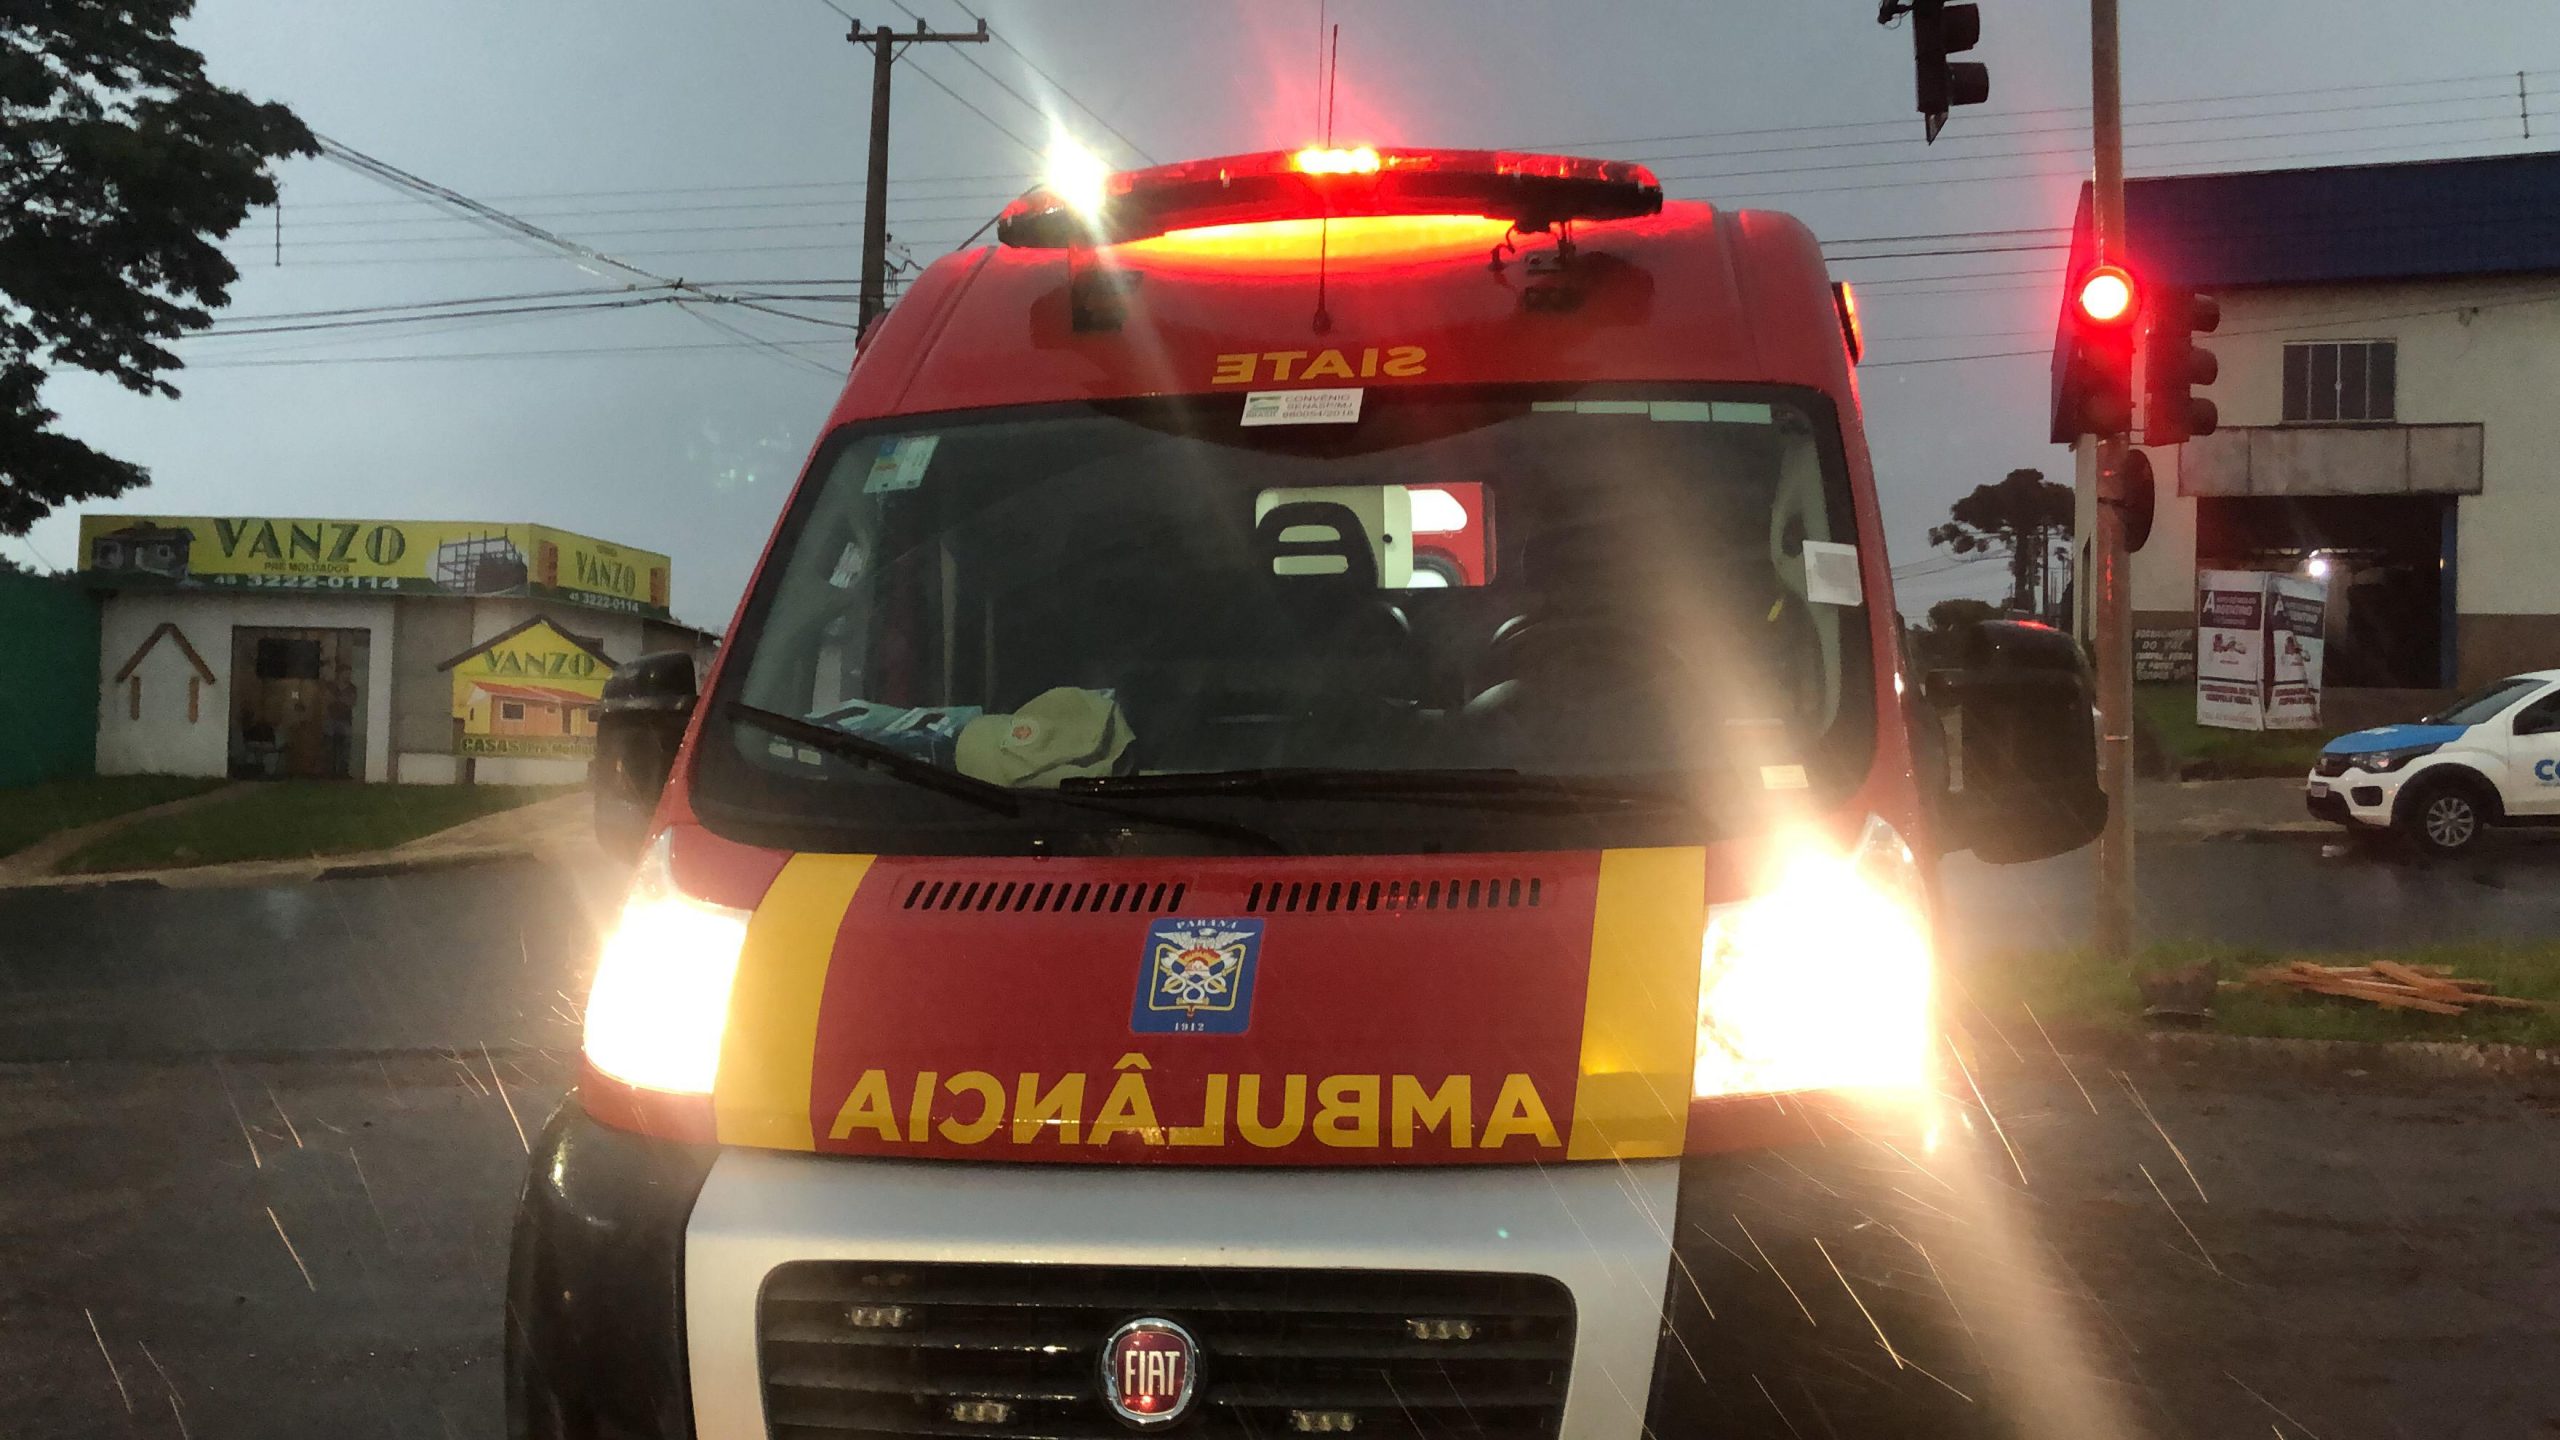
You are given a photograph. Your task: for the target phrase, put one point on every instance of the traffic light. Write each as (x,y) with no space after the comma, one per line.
(1939,30)
(2173,364)
(2093,377)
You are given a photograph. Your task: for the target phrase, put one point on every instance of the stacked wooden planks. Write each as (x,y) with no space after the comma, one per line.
(2431,989)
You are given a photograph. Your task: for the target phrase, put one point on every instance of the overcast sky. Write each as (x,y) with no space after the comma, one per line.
(721,140)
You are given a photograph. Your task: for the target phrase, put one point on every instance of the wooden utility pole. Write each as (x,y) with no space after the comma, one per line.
(885,44)
(2113,635)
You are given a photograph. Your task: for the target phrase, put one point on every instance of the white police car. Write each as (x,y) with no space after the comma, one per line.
(2493,759)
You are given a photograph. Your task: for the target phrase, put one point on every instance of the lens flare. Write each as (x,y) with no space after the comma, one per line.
(660,1003)
(1822,983)
(1075,175)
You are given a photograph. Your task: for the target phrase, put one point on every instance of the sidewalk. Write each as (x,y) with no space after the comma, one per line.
(38,860)
(561,828)
(2225,810)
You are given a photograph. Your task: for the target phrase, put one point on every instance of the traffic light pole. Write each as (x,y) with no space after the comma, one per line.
(884,44)
(2113,629)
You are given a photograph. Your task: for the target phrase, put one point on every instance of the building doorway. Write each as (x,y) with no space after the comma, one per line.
(298,703)
(2388,560)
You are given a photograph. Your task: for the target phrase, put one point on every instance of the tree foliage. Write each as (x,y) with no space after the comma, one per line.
(121,165)
(1949,616)
(2022,514)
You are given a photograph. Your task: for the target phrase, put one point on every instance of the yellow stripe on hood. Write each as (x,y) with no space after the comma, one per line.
(1640,1010)
(762,1095)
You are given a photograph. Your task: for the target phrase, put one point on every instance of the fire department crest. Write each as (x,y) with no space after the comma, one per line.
(1197,978)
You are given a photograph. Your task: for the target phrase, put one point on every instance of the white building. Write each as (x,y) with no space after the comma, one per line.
(414,651)
(2390,407)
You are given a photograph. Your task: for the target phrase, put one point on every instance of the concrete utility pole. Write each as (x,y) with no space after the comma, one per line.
(2114,611)
(885,44)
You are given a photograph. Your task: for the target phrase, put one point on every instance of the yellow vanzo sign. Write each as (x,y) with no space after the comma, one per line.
(531,692)
(417,557)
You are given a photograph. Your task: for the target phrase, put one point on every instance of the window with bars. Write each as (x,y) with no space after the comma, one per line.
(2327,380)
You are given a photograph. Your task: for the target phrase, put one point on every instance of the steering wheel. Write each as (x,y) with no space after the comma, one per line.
(1608,640)
(1567,685)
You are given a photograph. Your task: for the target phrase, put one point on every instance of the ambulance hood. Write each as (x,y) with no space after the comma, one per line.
(1246,1011)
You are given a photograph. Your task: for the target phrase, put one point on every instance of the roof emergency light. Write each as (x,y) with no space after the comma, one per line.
(1532,192)
(1317,160)
(1078,177)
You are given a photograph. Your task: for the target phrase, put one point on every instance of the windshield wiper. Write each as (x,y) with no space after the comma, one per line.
(889,760)
(898,764)
(1461,787)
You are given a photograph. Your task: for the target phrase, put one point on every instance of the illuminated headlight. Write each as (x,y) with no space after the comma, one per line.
(1824,982)
(661,997)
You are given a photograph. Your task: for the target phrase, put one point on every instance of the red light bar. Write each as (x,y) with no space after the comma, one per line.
(1533,192)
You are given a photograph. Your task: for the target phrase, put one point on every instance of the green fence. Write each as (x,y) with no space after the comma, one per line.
(49,678)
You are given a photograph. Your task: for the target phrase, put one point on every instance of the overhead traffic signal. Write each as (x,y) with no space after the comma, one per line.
(2093,388)
(1940,30)
(2173,364)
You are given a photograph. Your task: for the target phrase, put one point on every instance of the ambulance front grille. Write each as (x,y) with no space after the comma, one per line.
(1048,897)
(1013,1352)
(1327,896)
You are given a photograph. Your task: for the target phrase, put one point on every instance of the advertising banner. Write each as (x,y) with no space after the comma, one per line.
(2296,611)
(2231,655)
(530,692)
(406,557)
(2164,656)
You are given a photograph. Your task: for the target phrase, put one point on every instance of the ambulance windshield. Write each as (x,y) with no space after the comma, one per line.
(1605,590)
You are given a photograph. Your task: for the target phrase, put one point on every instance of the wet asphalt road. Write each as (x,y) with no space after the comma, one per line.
(260,1149)
(2296,894)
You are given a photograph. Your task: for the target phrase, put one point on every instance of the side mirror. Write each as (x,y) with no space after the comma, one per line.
(640,723)
(2025,744)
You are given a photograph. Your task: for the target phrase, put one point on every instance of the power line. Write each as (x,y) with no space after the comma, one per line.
(2258,161)
(1033,66)
(483,355)
(616,194)
(973,213)
(1001,128)
(386,173)
(260,247)
(1905,120)
(2082,148)
(2505,96)
(724,207)
(588,307)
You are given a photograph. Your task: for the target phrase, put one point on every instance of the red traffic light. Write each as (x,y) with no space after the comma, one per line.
(2107,296)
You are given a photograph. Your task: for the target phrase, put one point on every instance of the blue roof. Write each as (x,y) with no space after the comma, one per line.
(2418,220)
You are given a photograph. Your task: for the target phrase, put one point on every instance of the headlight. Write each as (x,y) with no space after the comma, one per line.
(1824,982)
(661,996)
(2383,762)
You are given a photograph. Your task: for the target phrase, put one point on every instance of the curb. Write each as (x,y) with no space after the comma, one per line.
(2280,834)
(2405,1059)
(249,874)
(425,864)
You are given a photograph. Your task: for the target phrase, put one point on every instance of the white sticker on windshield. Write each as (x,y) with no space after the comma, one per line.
(1303,407)
(849,565)
(1831,574)
(1782,777)
(901,466)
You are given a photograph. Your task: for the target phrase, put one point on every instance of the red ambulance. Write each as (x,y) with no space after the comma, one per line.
(1315,824)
